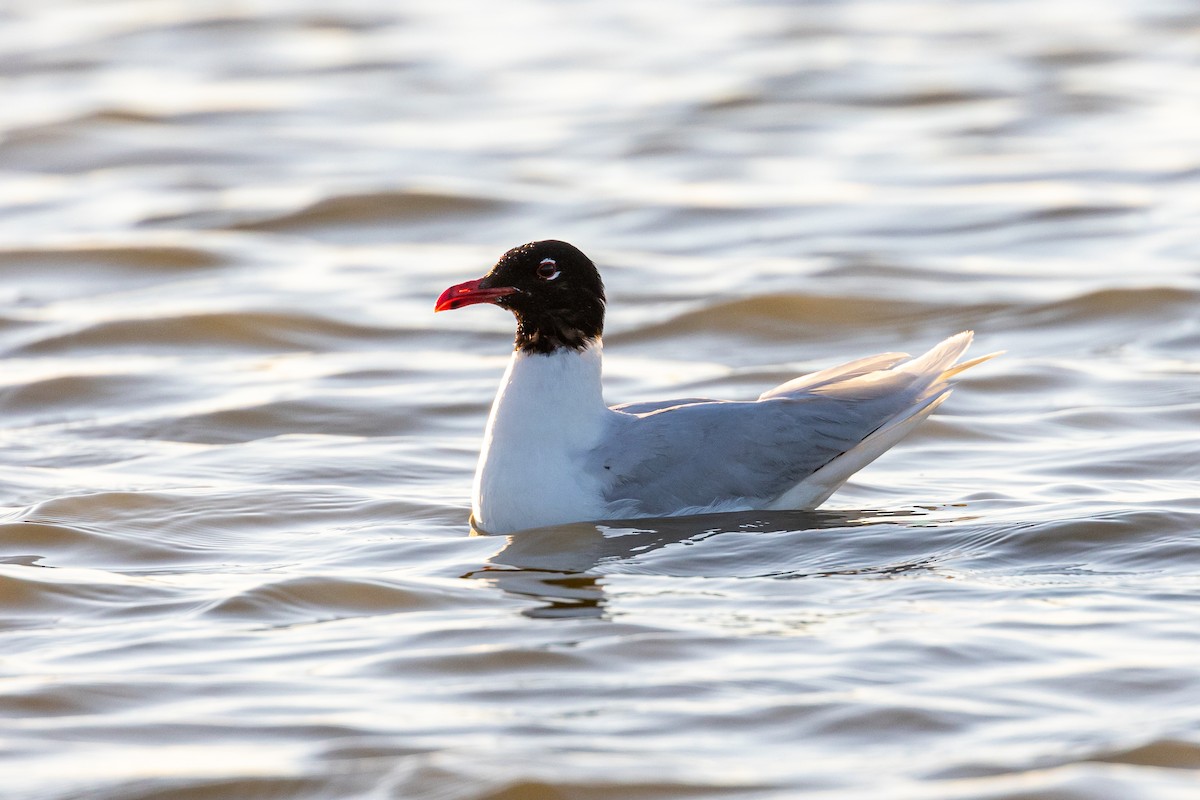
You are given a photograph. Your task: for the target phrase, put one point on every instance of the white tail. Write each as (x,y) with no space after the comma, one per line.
(920,385)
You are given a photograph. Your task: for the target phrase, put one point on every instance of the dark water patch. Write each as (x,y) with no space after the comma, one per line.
(864,723)
(248,788)
(1055,221)
(38,278)
(1158,303)
(1064,55)
(1100,320)
(1077,211)
(381,69)
(1165,457)
(1164,541)
(18,65)
(85,263)
(16,326)
(1165,753)
(1153,415)
(65,545)
(329,416)
(800,316)
(223,332)
(919,99)
(602,788)
(1126,687)
(53,696)
(216,24)
(733,100)
(514,659)
(89,145)
(313,599)
(52,595)
(377,209)
(863,270)
(122,116)
(81,397)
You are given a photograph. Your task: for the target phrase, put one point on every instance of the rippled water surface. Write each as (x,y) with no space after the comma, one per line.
(236,446)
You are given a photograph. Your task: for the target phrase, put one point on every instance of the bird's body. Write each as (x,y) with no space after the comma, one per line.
(553,452)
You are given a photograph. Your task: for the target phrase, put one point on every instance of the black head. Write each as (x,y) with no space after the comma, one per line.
(551,287)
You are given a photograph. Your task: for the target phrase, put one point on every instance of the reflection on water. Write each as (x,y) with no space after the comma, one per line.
(564,566)
(236,448)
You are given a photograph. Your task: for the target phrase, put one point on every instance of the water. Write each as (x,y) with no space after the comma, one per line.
(237,446)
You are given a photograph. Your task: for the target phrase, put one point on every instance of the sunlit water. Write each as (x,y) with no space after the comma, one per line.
(237,446)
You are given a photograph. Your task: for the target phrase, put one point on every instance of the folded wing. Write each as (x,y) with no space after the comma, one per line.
(791,448)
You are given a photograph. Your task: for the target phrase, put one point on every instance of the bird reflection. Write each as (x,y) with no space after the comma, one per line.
(564,567)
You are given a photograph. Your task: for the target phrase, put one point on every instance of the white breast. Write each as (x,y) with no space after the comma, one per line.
(548,413)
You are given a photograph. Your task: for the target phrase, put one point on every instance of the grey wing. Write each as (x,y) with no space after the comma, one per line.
(752,454)
(740,453)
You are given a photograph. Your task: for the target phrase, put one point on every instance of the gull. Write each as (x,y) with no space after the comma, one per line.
(554,453)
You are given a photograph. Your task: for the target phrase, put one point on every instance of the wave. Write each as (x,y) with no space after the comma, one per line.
(375,208)
(84,260)
(313,598)
(222,331)
(790,316)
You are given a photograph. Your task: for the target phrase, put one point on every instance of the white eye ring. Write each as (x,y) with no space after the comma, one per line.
(548,269)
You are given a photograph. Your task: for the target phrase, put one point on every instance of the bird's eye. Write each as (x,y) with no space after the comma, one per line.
(548,269)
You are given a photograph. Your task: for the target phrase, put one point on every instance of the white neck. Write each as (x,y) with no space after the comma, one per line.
(548,413)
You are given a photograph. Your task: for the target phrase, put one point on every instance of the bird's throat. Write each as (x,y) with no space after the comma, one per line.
(576,330)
